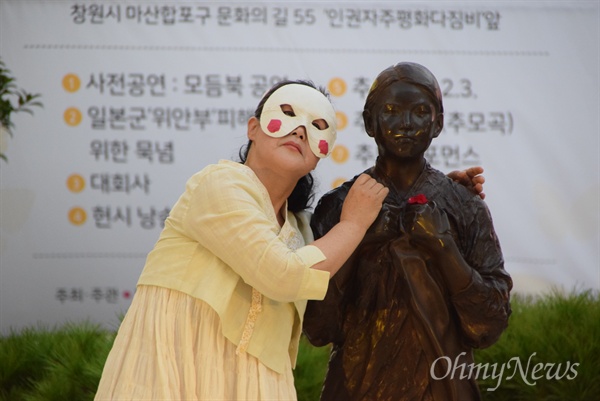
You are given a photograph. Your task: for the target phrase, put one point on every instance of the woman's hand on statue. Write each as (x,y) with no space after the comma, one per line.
(364,200)
(471,178)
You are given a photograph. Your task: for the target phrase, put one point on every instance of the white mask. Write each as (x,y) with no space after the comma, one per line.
(309,105)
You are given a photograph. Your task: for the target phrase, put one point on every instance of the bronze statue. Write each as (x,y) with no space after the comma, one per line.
(427,284)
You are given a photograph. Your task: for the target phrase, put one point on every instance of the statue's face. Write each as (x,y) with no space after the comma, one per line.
(406,120)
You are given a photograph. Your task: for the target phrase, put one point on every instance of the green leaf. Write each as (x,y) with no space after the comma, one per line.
(25,100)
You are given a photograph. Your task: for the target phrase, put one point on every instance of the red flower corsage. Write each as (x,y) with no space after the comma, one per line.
(420,199)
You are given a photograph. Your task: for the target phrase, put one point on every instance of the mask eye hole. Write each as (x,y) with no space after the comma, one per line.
(288,110)
(321,124)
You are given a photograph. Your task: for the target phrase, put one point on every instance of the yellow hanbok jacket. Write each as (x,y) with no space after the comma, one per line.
(222,244)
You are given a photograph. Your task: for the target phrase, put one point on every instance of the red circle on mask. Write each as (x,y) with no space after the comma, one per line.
(323,146)
(274,125)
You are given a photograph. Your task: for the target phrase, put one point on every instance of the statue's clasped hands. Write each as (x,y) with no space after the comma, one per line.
(430,228)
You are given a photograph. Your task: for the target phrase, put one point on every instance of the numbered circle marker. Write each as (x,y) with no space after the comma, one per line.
(337,87)
(72,116)
(71,83)
(75,183)
(77,216)
(340,154)
(341,119)
(337,182)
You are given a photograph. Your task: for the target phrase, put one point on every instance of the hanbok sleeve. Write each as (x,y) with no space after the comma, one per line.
(226,212)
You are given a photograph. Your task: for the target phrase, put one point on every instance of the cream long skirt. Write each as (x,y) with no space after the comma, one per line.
(170,346)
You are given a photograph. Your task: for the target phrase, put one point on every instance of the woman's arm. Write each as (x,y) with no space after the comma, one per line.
(361,207)
(224,212)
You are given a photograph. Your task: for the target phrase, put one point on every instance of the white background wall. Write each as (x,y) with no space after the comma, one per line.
(521,82)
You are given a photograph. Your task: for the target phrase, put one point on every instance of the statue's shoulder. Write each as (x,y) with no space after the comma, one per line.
(337,195)
(328,209)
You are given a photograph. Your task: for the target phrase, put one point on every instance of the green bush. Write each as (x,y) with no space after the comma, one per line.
(553,329)
(60,364)
(65,363)
(310,370)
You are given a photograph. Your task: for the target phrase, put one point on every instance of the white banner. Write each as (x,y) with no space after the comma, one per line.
(140,95)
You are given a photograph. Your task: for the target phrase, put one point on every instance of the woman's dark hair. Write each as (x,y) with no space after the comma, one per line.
(303,194)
